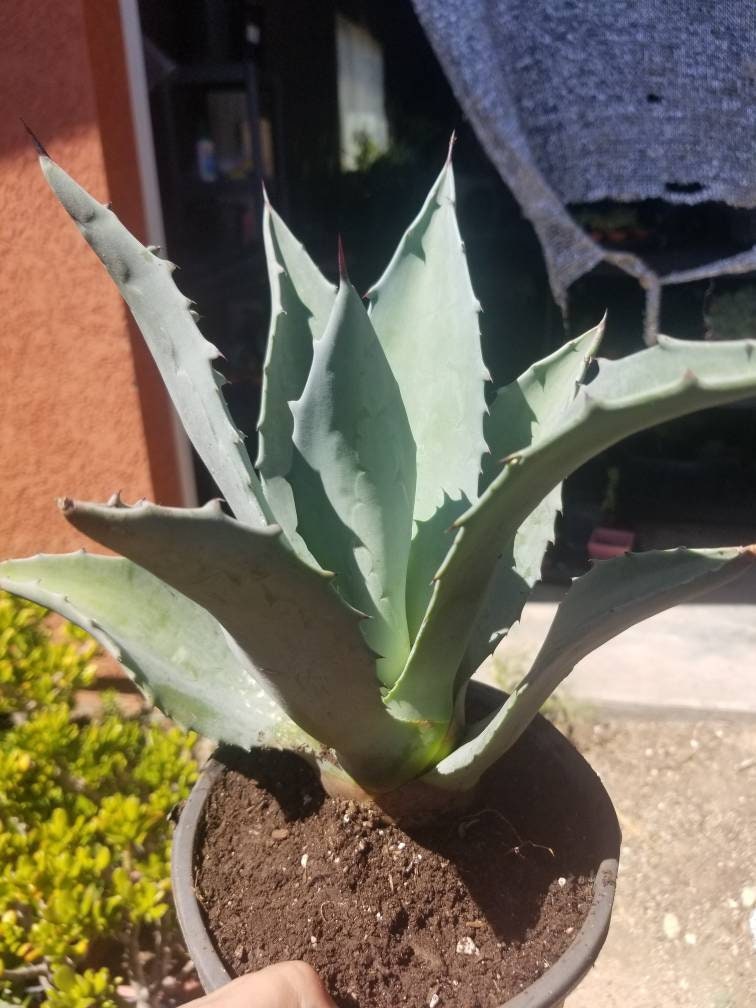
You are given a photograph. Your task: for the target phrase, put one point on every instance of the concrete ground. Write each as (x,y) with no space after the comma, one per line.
(666,713)
(683,931)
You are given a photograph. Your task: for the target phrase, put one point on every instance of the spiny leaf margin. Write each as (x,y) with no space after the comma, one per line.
(174,650)
(182,354)
(642,390)
(615,595)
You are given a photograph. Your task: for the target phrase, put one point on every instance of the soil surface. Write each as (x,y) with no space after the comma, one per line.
(466,912)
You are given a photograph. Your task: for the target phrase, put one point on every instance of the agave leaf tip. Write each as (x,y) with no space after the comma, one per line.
(342,260)
(452,142)
(38,145)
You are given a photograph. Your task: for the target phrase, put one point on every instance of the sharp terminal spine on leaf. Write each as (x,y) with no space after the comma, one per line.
(35,140)
(342,260)
(452,142)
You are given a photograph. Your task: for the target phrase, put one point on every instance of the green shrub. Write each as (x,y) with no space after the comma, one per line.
(84,829)
(36,669)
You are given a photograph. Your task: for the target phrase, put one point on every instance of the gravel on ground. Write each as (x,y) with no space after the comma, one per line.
(683,933)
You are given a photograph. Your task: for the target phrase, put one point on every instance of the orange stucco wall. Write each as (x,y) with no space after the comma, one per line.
(73,395)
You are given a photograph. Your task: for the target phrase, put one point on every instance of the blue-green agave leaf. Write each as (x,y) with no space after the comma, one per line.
(426,316)
(668,380)
(522,414)
(431,540)
(182,354)
(173,649)
(301,304)
(353,476)
(301,639)
(614,595)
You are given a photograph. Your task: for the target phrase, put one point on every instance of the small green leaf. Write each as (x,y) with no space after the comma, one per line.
(64,978)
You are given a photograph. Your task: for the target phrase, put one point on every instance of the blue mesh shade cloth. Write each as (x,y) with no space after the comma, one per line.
(576,102)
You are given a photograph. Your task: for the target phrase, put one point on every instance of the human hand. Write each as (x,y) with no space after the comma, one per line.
(283,985)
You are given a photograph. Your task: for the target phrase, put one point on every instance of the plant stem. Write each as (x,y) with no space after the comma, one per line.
(141,988)
(25,972)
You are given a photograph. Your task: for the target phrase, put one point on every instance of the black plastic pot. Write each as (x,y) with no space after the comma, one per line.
(549,991)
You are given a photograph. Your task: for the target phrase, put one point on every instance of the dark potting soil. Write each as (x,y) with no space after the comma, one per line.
(467,911)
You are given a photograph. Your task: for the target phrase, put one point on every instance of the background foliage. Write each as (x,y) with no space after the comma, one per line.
(84,830)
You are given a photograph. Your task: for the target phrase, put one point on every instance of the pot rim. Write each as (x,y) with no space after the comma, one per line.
(550,989)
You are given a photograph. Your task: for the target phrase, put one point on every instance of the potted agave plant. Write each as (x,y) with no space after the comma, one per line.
(383,545)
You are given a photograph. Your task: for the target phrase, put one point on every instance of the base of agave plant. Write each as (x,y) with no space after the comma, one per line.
(549,991)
